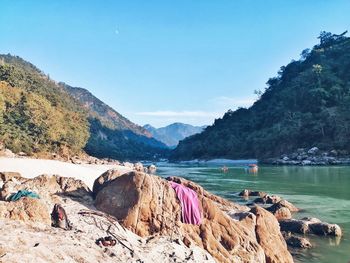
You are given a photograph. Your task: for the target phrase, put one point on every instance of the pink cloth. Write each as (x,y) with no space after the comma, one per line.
(191,213)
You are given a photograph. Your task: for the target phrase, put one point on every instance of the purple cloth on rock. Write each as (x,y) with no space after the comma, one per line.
(190,211)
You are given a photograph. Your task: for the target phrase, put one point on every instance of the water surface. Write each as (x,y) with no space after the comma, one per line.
(321,192)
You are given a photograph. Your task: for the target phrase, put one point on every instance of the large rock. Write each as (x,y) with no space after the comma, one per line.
(46,185)
(296,241)
(282,209)
(103,179)
(268,233)
(248,193)
(5,176)
(310,226)
(26,209)
(148,205)
(268,199)
(313,150)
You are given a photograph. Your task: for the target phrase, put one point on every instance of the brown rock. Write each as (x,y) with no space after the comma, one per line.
(25,209)
(268,233)
(294,226)
(267,199)
(5,176)
(103,179)
(282,209)
(248,193)
(296,241)
(310,226)
(46,185)
(148,205)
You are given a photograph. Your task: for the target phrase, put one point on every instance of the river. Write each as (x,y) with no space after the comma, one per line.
(322,192)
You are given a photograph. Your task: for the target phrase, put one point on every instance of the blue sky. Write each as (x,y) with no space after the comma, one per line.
(159,62)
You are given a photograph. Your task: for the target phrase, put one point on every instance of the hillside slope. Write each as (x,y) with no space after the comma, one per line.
(36,115)
(307,104)
(173,133)
(39,116)
(113,135)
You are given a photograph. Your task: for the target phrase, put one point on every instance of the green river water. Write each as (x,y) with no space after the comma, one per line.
(322,192)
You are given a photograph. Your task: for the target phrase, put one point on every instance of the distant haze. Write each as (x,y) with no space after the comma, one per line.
(173,133)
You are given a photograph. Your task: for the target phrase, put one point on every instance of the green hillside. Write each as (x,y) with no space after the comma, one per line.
(36,115)
(39,116)
(307,104)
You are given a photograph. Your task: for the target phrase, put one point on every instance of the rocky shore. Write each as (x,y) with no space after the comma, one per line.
(294,231)
(142,213)
(312,156)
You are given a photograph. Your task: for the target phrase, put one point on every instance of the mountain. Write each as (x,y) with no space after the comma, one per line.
(173,133)
(307,104)
(36,114)
(113,135)
(39,116)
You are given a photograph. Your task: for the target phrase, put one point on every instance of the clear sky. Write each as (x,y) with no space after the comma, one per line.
(159,62)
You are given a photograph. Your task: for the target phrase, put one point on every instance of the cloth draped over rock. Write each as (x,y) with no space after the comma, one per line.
(23,193)
(190,211)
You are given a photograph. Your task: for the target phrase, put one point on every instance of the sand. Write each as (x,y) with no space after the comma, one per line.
(30,168)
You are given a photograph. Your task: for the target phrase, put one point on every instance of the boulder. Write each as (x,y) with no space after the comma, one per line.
(151,169)
(248,193)
(313,150)
(46,185)
(25,209)
(283,209)
(5,176)
(296,241)
(310,226)
(138,167)
(128,165)
(268,233)
(280,212)
(267,199)
(294,226)
(151,207)
(306,162)
(103,179)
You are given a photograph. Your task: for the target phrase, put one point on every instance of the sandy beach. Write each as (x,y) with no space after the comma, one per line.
(30,168)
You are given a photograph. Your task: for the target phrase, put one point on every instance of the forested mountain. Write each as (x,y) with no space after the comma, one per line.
(39,116)
(36,115)
(112,134)
(173,133)
(307,104)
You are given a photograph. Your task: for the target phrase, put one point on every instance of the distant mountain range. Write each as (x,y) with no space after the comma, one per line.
(39,115)
(173,133)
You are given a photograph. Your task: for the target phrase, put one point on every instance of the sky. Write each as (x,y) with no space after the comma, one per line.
(160,62)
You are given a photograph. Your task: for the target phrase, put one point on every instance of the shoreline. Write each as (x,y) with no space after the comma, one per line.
(30,168)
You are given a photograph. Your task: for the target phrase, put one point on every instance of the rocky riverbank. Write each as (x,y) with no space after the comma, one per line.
(312,156)
(294,231)
(143,214)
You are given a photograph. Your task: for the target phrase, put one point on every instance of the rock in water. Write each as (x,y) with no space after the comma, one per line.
(283,209)
(310,226)
(296,241)
(268,233)
(148,205)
